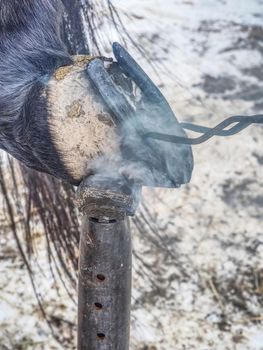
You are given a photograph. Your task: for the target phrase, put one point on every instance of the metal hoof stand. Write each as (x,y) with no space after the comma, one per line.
(105,264)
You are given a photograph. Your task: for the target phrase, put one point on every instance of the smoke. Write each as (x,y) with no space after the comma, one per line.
(145,161)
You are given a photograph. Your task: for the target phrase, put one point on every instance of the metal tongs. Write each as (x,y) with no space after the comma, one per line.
(166,164)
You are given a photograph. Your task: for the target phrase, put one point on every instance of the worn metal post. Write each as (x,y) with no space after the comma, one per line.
(105,264)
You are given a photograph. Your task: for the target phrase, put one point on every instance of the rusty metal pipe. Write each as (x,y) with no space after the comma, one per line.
(104,285)
(105,263)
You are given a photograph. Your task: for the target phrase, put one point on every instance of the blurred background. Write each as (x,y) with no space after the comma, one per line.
(198,250)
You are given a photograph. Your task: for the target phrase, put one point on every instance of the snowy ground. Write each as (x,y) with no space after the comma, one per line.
(199,287)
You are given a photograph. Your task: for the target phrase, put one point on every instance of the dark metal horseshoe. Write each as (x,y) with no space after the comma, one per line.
(169,166)
(116,101)
(137,74)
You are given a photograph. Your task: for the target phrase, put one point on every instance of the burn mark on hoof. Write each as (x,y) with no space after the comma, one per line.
(61,72)
(75,110)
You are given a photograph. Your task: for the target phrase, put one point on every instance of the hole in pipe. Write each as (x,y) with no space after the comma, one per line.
(101,277)
(101,336)
(106,221)
(98,306)
(93,219)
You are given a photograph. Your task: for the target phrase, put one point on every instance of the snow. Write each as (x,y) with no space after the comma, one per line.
(201,286)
